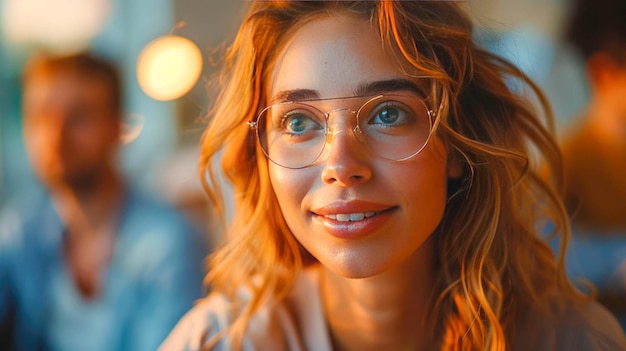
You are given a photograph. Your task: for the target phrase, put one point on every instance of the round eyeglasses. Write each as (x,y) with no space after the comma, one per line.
(393,126)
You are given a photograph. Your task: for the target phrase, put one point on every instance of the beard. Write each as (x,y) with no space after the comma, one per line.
(80,181)
(84,182)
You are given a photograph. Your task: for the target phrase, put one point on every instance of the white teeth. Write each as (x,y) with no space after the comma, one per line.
(343,217)
(351,217)
(356,216)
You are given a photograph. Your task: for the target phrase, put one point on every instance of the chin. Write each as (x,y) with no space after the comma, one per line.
(354,267)
(360,273)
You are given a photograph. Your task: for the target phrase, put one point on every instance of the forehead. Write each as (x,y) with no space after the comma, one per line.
(63,88)
(333,55)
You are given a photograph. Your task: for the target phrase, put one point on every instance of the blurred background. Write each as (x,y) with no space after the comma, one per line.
(169,50)
(164,123)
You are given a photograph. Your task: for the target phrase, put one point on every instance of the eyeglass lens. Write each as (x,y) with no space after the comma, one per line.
(294,134)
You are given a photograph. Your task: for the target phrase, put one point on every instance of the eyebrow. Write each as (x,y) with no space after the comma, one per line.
(365,89)
(296,95)
(386,86)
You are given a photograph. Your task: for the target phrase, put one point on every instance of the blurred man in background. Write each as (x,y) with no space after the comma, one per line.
(595,152)
(93,264)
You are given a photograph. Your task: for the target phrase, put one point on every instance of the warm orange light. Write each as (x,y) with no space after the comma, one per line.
(58,25)
(169,67)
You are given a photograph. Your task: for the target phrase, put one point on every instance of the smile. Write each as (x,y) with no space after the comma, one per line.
(345,224)
(351,217)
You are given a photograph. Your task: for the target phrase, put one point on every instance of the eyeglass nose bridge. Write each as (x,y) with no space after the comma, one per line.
(332,132)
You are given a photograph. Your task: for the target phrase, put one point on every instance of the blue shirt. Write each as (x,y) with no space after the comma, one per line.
(154,276)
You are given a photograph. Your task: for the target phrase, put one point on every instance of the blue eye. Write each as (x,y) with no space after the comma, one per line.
(297,124)
(300,122)
(388,115)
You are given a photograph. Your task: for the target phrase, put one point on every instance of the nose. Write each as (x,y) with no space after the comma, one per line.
(347,163)
(57,129)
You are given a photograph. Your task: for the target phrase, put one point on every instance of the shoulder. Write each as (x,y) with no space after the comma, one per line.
(12,226)
(277,325)
(148,218)
(570,326)
(26,221)
(204,327)
(157,244)
(208,318)
(140,204)
(591,327)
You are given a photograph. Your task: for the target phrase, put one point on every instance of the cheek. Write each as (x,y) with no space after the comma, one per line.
(41,143)
(94,141)
(425,191)
(290,187)
(426,197)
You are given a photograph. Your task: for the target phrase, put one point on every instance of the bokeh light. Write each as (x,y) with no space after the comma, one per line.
(168,67)
(57,25)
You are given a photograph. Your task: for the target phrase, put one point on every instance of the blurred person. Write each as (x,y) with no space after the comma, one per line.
(594,151)
(387,191)
(92,264)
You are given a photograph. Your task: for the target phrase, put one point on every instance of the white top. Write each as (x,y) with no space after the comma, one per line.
(298,323)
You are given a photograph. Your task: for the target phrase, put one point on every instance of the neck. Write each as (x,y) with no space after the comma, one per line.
(384,312)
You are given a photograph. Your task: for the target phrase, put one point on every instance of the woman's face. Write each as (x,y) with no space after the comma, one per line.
(357,213)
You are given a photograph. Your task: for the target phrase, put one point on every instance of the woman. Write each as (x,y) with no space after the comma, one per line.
(385,193)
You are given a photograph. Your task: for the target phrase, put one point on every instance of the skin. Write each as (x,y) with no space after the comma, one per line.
(375,283)
(71,132)
(607,120)
(608,88)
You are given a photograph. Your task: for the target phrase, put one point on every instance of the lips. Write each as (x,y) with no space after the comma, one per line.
(340,207)
(352,219)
